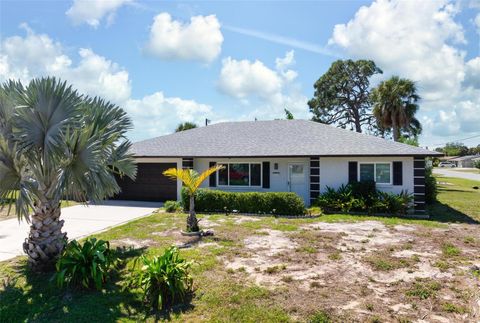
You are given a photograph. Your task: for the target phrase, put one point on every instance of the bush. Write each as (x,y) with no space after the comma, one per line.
(391,203)
(172,206)
(363,196)
(430,186)
(164,280)
(84,265)
(476,164)
(283,203)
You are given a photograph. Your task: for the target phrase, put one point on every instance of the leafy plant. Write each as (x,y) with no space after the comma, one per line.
(191,181)
(85,265)
(430,186)
(163,280)
(172,206)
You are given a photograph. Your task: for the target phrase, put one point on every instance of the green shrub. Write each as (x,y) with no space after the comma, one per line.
(386,202)
(430,186)
(84,265)
(363,197)
(283,203)
(476,164)
(172,206)
(320,317)
(164,280)
(342,200)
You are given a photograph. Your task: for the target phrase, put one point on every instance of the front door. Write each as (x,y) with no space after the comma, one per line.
(297,178)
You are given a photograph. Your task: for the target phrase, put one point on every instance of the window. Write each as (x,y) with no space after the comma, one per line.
(296,169)
(378,172)
(382,174)
(240,174)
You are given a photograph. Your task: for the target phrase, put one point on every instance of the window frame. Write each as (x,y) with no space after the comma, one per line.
(375,171)
(249,174)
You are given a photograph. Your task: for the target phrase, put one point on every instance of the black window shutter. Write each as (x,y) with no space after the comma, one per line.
(213,177)
(266,174)
(352,172)
(397,173)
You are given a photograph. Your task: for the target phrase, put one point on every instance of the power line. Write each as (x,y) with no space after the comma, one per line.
(457,140)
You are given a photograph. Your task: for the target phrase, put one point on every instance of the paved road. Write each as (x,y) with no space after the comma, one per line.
(80,221)
(459,174)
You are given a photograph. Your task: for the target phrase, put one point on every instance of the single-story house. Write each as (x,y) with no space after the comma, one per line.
(281,156)
(465,161)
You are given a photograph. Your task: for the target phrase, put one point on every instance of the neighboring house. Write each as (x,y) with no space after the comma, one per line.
(281,156)
(465,161)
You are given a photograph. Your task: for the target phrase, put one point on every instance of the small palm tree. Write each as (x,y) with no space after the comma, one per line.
(55,143)
(395,105)
(192,181)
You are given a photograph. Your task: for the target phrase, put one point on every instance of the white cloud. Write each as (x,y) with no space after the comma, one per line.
(472,73)
(425,48)
(274,89)
(200,40)
(417,47)
(92,12)
(37,55)
(243,78)
(156,114)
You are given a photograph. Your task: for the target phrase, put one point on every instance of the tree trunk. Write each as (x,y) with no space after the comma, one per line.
(192,222)
(395,130)
(45,241)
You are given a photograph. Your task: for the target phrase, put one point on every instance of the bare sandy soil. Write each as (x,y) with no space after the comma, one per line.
(352,269)
(362,271)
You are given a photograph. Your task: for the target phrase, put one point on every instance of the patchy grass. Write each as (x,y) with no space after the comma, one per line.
(449,250)
(424,289)
(334,268)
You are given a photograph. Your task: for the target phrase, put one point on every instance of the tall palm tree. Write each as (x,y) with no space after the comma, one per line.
(192,181)
(55,143)
(395,105)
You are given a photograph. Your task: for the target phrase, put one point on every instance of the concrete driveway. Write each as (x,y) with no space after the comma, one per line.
(80,221)
(456,173)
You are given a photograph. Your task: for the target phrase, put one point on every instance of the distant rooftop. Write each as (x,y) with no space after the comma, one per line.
(274,138)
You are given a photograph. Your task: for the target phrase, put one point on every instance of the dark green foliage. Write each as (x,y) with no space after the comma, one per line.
(86,265)
(391,203)
(282,203)
(430,186)
(342,95)
(364,197)
(185,126)
(476,164)
(164,280)
(172,206)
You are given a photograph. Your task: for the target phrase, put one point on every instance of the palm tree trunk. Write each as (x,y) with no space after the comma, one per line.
(46,240)
(395,130)
(192,222)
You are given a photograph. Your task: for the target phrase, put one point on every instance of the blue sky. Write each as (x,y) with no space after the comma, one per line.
(168,62)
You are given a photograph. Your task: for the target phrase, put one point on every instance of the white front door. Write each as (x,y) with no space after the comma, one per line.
(297,179)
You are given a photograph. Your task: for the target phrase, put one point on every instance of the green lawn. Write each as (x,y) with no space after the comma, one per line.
(229,295)
(473,171)
(458,201)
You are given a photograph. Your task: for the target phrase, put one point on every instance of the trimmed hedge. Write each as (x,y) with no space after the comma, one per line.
(281,203)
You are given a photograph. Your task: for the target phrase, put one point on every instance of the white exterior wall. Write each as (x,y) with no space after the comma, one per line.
(178,161)
(334,172)
(278,178)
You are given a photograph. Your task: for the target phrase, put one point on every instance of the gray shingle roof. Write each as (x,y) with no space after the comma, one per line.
(272,138)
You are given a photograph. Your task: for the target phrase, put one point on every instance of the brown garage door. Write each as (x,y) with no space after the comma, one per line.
(150,184)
